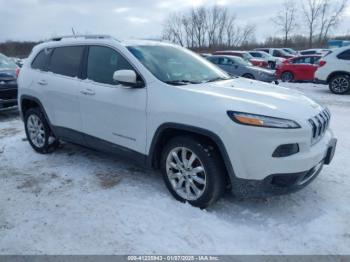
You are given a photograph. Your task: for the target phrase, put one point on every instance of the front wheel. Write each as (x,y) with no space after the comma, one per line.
(340,84)
(38,131)
(192,172)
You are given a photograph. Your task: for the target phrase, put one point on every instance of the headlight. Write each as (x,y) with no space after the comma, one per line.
(261,120)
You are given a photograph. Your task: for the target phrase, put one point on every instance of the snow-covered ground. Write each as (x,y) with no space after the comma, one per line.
(77,201)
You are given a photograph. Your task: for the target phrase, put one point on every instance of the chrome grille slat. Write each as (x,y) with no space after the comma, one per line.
(319,124)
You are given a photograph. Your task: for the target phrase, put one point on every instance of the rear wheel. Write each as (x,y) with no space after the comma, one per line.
(192,172)
(287,77)
(340,84)
(38,131)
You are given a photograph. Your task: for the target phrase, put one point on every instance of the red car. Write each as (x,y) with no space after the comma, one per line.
(246,56)
(299,68)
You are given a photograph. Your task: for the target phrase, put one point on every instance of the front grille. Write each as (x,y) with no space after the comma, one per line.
(8,94)
(319,124)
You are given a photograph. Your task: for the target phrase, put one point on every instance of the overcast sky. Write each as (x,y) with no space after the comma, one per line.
(42,19)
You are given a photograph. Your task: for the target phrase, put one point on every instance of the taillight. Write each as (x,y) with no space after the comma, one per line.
(17,71)
(322,63)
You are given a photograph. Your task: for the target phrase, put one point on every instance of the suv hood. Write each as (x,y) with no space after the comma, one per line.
(256,97)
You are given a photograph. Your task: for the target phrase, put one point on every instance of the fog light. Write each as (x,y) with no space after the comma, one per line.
(286,150)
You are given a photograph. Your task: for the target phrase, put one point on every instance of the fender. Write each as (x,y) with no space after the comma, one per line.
(192,129)
(37,101)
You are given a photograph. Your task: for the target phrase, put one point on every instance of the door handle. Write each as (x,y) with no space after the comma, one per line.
(42,82)
(87,92)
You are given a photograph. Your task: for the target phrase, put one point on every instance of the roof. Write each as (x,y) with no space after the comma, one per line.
(94,39)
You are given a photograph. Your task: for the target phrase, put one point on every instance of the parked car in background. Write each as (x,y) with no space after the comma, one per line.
(334,70)
(239,67)
(315,51)
(204,54)
(271,60)
(291,51)
(300,68)
(167,108)
(246,56)
(8,82)
(18,61)
(276,52)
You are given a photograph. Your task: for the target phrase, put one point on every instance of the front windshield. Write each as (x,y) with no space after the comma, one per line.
(175,65)
(6,63)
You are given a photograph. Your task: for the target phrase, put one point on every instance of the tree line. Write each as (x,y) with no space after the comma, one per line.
(17,49)
(207,28)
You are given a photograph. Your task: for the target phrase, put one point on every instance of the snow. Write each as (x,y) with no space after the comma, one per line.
(77,201)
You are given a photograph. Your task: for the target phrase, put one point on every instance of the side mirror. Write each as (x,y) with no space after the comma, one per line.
(127,78)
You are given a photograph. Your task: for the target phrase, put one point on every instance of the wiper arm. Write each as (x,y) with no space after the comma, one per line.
(181,82)
(217,79)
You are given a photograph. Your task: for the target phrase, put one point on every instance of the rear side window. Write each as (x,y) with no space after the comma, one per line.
(256,54)
(103,62)
(41,61)
(344,55)
(66,60)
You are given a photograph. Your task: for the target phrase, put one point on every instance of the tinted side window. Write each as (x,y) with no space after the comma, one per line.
(41,61)
(103,62)
(345,55)
(66,60)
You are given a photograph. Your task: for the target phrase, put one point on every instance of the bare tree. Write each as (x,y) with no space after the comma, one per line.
(285,20)
(198,18)
(330,17)
(312,12)
(204,27)
(173,29)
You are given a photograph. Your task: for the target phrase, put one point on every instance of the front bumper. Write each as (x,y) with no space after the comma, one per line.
(267,78)
(8,96)
(279,184)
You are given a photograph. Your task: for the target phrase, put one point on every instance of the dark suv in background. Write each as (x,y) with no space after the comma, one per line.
(8,82)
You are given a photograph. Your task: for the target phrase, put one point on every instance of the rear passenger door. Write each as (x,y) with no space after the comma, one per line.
(61,88)
(111,112)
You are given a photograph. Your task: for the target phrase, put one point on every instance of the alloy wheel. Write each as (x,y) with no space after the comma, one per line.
(340,84)
(36,130)
(186,173)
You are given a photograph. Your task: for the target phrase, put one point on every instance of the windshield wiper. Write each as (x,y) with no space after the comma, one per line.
(181,82)
(218,79)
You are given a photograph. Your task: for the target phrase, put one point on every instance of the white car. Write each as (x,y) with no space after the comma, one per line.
(271,60)
(334,70)
(168,108)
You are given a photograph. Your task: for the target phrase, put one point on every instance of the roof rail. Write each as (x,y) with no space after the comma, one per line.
(59,38)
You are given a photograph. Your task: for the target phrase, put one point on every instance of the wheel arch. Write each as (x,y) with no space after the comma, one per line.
(169,130)
(335,73)
(27,102)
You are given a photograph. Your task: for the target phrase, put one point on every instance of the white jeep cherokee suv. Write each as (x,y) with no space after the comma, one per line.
(334,70)
(170,109)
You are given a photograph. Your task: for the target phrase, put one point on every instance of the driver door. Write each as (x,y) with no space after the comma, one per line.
(111,112)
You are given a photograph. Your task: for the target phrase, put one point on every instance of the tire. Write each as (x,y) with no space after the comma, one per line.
(287,77)
(249,76)
(210,182)
(340,84)
(38,132)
